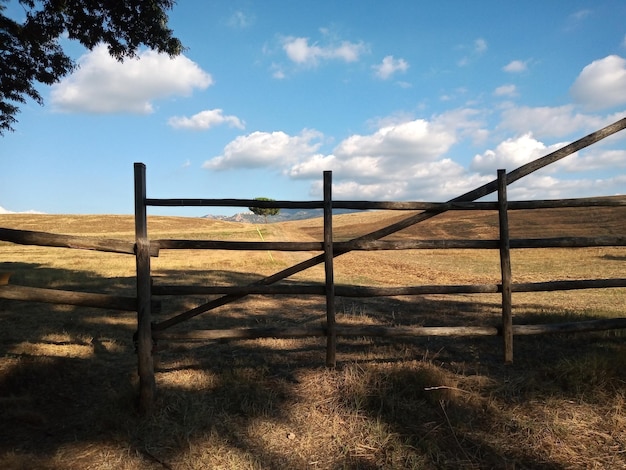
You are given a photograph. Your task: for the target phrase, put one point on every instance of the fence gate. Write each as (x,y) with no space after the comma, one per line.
(147,331)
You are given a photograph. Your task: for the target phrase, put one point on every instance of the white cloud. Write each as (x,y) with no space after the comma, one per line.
(432,181)
(265,149)
(101,84)
(506,90)
(389,66)
(593,160)
(537,186)
(363,191)
(404,158)
(548,121)
(601,84)
(313,166)
(299,51)
(515,66)
(418,138)
(205,120)
(401,160)
(464,123)
(511,154)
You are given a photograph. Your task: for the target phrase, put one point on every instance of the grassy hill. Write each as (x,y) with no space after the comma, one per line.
(68,374)
(452,224)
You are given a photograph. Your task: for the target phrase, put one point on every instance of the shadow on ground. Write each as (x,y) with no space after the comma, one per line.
(68,383)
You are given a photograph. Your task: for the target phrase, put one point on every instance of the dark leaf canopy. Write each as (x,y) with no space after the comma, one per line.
(264,211)
(30,51)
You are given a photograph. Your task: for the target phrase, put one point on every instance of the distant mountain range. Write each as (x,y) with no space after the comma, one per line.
(284,215)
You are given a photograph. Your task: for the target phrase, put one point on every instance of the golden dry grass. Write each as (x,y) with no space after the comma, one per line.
(68,380)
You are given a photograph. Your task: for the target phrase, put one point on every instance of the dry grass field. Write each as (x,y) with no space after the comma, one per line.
(68,374)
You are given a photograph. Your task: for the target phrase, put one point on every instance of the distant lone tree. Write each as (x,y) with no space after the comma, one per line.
(264,211)
(31,48)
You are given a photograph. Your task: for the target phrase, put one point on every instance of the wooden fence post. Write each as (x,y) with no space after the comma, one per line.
(505,267)
(144,317)
(331,330)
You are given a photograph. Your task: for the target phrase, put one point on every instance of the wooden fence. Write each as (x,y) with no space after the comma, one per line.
(143,249)
(332,249)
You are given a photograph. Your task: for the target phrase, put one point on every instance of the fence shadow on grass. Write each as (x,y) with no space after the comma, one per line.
(68,382)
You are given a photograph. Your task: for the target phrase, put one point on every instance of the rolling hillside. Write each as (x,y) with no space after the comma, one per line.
(600,221)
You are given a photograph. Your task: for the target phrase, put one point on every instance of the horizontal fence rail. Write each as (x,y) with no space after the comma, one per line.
(366,291)
(608,201)
(367,245)
(107,245)
(65,297)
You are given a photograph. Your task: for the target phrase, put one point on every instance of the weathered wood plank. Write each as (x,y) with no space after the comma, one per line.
(568,285)
(145,366)
(572,327)
(366,291)
(228,245)
(331,334)
(56,296)
(109,245)
(505,268)
(372,245)
(392,205)
(345,331)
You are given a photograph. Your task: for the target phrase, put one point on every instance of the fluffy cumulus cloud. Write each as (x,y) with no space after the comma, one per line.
(431,181)
(546,121)
(389,67)
(265,149)
(511,154)
(601,84)
(401,159)
(595,159)
(301,52)
(101,84)
(418,138)
(538,186)
(205,120)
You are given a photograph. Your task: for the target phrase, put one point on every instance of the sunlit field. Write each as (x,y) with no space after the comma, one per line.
(68,381)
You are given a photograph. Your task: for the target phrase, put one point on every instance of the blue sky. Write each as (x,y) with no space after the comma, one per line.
(402,100)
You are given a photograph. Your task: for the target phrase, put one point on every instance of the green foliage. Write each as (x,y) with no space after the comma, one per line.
(264,211)
(30,51)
